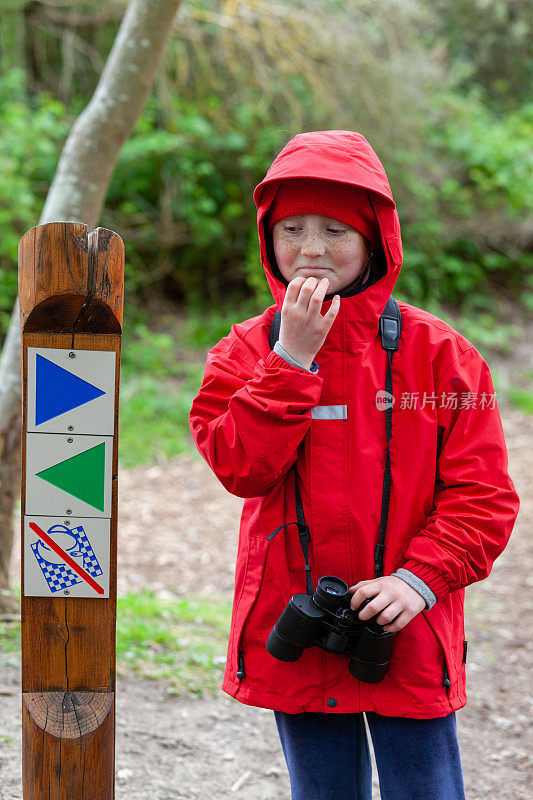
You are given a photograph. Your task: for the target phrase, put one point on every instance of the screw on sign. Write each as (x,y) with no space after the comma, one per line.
(71,324)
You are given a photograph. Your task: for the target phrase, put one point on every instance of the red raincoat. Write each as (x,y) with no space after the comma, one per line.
(452,504)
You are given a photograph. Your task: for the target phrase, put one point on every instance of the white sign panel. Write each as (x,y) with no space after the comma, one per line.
(71,391)
(68,475)
(66,557)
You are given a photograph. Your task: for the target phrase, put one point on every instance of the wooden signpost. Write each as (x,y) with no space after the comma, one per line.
(71,299)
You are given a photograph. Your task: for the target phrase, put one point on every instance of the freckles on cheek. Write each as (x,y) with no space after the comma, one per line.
(285,250)
(285,242)
(346,248)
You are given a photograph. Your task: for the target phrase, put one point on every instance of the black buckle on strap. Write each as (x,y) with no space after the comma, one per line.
(378,556)
(389,328)
(303,533)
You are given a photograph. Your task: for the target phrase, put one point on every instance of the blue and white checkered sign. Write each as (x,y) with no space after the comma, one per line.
(57,574)
(60,576)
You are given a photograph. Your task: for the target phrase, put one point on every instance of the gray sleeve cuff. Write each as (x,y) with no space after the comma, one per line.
(418,585)
(283,353)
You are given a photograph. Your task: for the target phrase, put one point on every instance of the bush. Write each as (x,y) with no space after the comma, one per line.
(32,132)
(181,192)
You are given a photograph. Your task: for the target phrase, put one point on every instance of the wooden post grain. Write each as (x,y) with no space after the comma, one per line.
(71,300)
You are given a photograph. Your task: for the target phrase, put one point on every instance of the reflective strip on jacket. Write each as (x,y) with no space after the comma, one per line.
(452,504)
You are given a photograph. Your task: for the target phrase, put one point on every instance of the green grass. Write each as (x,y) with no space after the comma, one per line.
(162,366)
(521,399)
(157,388)
(10,635)
(154,416)
(9,644)
(180,640)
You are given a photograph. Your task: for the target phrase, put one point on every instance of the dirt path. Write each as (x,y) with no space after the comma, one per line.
(218,748)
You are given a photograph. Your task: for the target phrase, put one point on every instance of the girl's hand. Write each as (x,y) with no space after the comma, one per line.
(303,329)
(398,602)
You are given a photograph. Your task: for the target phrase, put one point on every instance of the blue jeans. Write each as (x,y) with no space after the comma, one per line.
(328,757)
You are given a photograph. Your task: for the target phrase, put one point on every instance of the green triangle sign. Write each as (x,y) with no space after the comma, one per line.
(82,476)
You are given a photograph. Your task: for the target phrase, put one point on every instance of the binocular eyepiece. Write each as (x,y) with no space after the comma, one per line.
(326,620)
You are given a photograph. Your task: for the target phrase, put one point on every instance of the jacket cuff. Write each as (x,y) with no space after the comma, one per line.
(431,577)
(290,360)
(418,585)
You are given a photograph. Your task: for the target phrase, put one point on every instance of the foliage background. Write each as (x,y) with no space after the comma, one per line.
(440,90)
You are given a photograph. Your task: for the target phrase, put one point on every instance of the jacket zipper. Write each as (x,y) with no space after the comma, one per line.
(241,671)
(446,682)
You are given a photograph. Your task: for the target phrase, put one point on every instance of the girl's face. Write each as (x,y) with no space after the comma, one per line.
(312,245)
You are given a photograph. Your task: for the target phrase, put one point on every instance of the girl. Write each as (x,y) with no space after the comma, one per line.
(330,245)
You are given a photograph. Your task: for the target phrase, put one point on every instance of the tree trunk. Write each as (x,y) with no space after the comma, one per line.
(78,193)
(10,482)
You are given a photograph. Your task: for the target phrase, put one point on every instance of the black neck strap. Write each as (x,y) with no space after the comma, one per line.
(390,326)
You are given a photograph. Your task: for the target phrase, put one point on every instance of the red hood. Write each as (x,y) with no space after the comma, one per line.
(346,157)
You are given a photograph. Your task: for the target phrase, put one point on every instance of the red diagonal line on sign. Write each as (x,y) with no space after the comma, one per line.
(65,556)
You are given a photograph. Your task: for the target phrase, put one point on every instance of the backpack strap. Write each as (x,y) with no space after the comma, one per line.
(390,328)
(390,325)
(274,330)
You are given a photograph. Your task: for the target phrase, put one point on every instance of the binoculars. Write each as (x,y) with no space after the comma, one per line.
(326,620)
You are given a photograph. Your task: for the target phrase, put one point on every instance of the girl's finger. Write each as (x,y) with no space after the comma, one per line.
(356,586)
(317,298)
(389,614)
(333,310)
(399,623)
(306,292)
(293,289)
(365,590)
(377,604)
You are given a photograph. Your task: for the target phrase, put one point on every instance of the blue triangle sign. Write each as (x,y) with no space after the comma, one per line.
(57,390)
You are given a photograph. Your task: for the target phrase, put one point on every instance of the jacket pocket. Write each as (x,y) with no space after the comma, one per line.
(253,580)
(440,626)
